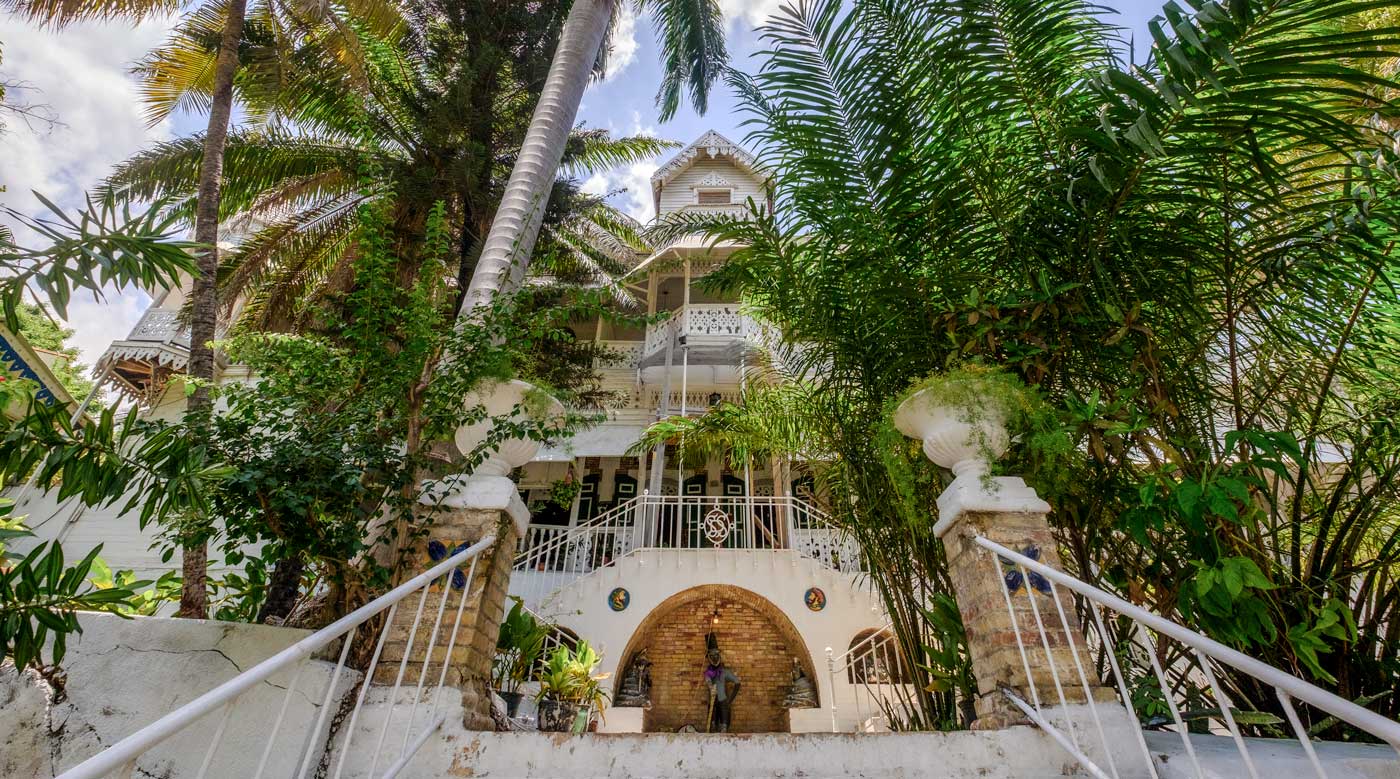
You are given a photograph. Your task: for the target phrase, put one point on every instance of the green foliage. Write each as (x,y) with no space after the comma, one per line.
(1189,258)
(518,648)
(106,244)
(143,602)
(40,597)
(567,677)
(336,435)
(409,110)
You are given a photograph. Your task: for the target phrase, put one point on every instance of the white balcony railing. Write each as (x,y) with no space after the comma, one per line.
(297,749)
(881,681)
(161,326)
(625,354)
(713,320)
(551,558)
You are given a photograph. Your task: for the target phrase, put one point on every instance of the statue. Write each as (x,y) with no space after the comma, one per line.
(636,683)
(719,678)
(801,693)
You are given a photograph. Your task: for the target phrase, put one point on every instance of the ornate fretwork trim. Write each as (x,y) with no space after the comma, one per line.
(707,146)
(713,180)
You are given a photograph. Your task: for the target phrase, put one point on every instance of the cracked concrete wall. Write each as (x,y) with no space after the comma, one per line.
(121,675)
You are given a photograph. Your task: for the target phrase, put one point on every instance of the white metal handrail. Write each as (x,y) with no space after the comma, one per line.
(876,672)
(1287,687)
(121,758)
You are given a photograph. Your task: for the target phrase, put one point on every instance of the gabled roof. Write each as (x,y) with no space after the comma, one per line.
(707,146)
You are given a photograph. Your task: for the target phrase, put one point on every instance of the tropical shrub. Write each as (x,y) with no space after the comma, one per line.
(567,680)
(1188,256)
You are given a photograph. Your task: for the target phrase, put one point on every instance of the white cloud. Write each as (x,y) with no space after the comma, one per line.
(624,42)
(751,12)
(80,73)
(629,187)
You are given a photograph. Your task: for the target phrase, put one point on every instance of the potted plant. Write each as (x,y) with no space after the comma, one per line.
(518,646)
(570,693)
(965,418)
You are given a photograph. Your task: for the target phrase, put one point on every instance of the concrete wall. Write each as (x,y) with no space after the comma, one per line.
(125,674)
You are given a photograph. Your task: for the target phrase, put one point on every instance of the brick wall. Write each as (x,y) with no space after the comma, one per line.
(754,644)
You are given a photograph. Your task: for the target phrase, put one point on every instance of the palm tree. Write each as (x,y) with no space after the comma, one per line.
(224,23)
(194,595)
(692,40)
(1185,255)
(372,117)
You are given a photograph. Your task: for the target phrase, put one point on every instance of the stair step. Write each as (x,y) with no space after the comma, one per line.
(1018,753)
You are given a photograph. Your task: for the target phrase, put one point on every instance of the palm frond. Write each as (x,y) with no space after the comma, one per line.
(693,51)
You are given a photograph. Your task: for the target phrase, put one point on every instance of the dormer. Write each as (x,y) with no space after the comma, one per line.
(711,174)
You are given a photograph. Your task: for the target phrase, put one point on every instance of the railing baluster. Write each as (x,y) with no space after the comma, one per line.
(1123,690)
(452,641)
(1224,702)
(1298,731)
(1083,680)
(1049,656)
(365,685)
(217,739)
(428,654)
(1175,712)
(393,699)
(277,723)
(326,702)
(1016,630)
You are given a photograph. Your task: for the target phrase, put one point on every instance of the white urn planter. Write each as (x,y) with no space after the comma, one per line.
(489,485)
(966,441)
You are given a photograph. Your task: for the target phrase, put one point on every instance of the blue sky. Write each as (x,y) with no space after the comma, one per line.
(81,74)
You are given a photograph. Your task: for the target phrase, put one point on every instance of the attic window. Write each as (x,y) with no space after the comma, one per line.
(714,197)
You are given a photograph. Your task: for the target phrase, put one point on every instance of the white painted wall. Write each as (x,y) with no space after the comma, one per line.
(124,674)
(781,576)
(680,191)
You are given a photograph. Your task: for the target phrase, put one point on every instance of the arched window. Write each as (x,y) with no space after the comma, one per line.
(874,658)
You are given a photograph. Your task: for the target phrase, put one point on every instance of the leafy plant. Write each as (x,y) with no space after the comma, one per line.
(106,244)
(567,677)
(336,438)
(39,600)
(518,647)
(147,597)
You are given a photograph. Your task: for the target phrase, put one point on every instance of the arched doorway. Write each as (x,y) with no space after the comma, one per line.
(757,640)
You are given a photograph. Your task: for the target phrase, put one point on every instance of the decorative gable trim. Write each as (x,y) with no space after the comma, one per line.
(707,146)
(713,180)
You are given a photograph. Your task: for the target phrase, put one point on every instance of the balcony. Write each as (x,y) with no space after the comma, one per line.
(154,349)
(551,558)
(701,324)
(160,325)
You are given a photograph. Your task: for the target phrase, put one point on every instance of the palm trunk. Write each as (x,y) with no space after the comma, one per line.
(506,253)
(194,596)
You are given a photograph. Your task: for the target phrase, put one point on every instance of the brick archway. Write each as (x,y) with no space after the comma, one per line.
(758,641)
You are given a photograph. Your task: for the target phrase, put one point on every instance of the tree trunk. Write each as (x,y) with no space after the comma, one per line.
(506,253)
(283,588)
(194,596)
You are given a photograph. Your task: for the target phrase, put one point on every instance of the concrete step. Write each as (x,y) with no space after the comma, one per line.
(1019,753)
